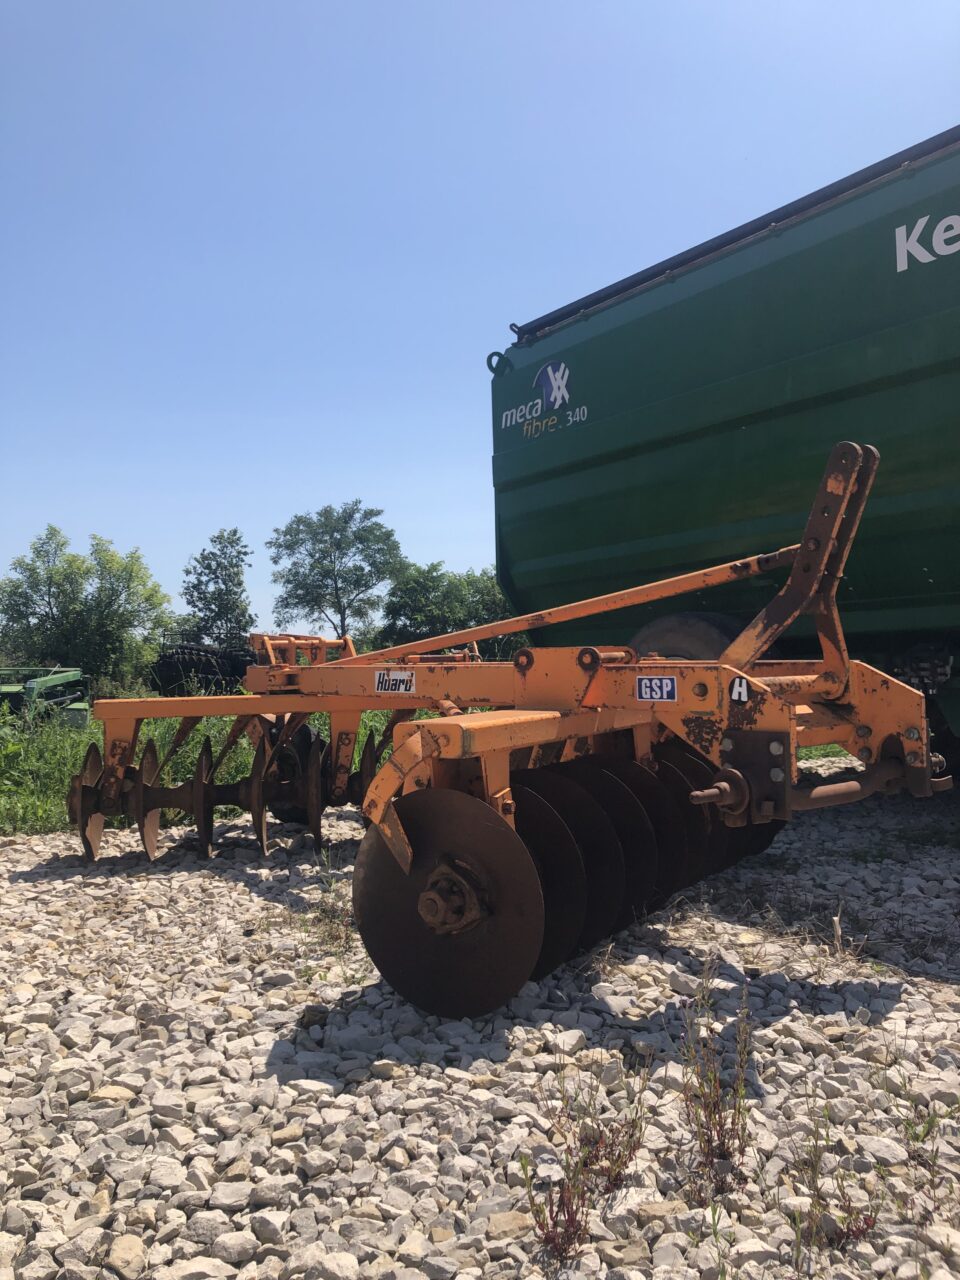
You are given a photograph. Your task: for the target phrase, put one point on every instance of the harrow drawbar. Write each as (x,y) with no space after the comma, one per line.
(546,802)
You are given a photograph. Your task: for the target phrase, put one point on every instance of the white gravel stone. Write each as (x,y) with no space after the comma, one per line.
(268,1225)
(236,1247)
(198,1268)
(316,1262)
(199,1080)
(127,1256)
(567,1042)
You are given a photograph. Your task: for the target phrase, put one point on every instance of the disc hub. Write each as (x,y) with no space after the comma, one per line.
(451,901)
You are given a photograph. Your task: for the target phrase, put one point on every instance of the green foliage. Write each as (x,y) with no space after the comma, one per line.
(426,600)
(215,591)
(102,612)
(11,753)
(330,566)
(40,753)
(596,1152)
(38,756)
(715,1105)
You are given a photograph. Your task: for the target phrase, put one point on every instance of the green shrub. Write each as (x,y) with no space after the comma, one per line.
(40,753)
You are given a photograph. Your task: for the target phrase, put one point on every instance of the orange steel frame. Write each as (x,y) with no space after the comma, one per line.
(747,715)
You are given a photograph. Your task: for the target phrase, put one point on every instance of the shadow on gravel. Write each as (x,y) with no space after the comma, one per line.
(888,869)
(352,1027)
(786,896)
(280,881)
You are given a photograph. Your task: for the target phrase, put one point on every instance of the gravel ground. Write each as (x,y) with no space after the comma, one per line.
(201,1076)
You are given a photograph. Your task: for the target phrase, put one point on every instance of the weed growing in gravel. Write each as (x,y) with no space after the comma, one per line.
(715,1104)
(560,1212)
(843,1211)
(597,1151)
(328,929)
(607,1145)
(922,1134)
(722,1241)
(857,1219)
(600,963)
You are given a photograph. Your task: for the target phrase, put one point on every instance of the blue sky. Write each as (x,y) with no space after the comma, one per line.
(252,256)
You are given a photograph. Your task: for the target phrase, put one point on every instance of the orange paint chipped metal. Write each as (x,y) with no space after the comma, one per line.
(548,706)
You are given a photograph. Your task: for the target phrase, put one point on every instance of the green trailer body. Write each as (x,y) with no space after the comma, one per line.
(29,688)
(678,418)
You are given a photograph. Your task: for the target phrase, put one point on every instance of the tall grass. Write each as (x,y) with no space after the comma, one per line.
(39,754)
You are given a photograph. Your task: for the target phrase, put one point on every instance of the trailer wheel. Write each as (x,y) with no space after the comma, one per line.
(695,636)
(702,637)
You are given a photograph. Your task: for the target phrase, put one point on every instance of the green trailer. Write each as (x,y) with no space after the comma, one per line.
(680,417)
(30,688)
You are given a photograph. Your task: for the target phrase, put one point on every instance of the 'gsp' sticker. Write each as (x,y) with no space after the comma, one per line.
(395,681)
(656,688)
(739,689)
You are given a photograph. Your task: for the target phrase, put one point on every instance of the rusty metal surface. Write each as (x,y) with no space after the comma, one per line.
(700,580)
(544,825)
(547,705)
(464,972)
(826,541)
(636,775)
(876,778)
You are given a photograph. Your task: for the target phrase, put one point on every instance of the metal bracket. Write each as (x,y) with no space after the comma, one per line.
(764,760)
(815,575)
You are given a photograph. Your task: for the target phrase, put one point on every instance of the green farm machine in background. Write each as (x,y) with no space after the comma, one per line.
(28,689)
(680,417)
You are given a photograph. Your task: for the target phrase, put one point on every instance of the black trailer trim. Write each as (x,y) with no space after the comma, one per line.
(806,204)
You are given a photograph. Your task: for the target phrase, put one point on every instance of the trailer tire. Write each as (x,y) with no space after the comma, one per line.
(697,637)
(188,668)
(702,637)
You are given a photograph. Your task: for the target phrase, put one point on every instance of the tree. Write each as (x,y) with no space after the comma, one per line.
(331,566)
(423,600)
(426,600)
(102,612)
(215,591)
(487,603)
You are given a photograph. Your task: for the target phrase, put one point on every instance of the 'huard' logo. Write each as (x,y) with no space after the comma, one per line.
(395,682)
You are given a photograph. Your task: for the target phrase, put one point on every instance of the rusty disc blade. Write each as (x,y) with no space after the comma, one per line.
(542,823)
(634,834)
(455,975)
(366,773)
(148,820)
(754,838)
(83,801)
(316,785)
(699,773)
(368,763)
(258,809)
(666,819)
(598,844)
(286,790)
(696,823)
(202,793)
